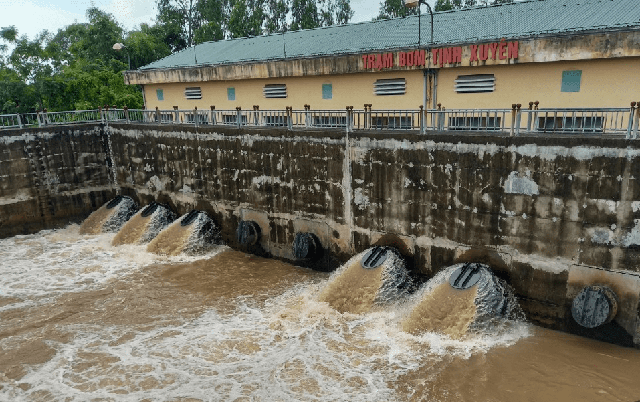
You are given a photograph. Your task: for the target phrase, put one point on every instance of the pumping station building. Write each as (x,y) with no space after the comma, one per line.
(504,136)
(562,53)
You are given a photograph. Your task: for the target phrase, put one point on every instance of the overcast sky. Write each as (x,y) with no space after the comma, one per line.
(32,16)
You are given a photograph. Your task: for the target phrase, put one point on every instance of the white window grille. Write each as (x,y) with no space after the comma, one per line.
(193,93)
(275,91)
(395,86)
(233,119)
(166,117)
(329,121)
(475,83)
(278,121)
(392,122)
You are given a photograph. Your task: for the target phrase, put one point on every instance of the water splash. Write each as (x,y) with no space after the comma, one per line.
(107,219)
(285,346)
(355,289)
(483,308)
(198,237)
(142,229)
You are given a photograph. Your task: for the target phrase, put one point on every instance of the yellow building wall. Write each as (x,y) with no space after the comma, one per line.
(348,90)
(604,83)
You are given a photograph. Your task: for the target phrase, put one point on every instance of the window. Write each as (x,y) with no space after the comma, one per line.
(392,122)
(275,91)
(475,123)
(327,91)
(475,83)
(166,117)
(572,123)
(160,94)
(191,118)
(193,93)
(233,119)
(571,81)
(329,121)
(396,86)
(277,121)
(231,94)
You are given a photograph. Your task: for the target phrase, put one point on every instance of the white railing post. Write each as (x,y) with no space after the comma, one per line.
(256,115)
(289,117)
(529,117)
(513,119)
(349,122)
(636,120)
(307,115)
(19,120)
(518,119)
(212,114)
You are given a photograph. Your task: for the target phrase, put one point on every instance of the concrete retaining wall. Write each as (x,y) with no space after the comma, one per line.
(551,215)
(49,177)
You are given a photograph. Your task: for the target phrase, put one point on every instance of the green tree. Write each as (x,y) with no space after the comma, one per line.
(96,39)
(145,46)
(394,9)
(277,16)
(179,20)
(246,18)
(214,15)
(343,12)
(445,5)
(304,15)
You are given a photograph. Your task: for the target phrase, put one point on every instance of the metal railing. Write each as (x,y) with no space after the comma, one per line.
(514,121)
(583,121)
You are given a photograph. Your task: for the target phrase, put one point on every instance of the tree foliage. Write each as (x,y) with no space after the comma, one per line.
(77,67)
(188,22)
(395,8)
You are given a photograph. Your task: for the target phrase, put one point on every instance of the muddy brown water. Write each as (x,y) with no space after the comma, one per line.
(132,231)
(82,320)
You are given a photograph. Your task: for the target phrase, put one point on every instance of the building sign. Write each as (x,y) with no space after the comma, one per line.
(386,60)
(495,51)
(502,50)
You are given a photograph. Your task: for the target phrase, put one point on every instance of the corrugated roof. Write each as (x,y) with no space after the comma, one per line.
(513,20)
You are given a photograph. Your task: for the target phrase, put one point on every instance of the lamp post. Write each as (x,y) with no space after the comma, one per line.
(416,3)
(120,46)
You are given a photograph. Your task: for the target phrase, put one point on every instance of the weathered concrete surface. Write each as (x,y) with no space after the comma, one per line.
(49,177)
(536,209)
(550,215)
(538,49)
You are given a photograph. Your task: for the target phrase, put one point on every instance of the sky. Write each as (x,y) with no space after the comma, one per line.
(32,16)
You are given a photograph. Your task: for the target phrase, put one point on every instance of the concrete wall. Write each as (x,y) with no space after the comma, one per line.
(550,215)
(49,177)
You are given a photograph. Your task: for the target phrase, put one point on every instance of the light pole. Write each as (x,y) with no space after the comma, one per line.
(120,46)
(416,3)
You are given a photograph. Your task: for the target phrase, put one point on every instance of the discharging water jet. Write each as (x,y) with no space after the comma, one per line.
(460,299)
(110,217)
(377,276)
(195,232)
(145,225)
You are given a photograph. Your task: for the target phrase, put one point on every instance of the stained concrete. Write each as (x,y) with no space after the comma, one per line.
(550,215)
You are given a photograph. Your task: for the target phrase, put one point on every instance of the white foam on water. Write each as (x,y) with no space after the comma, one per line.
(290,348)
(54,262)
